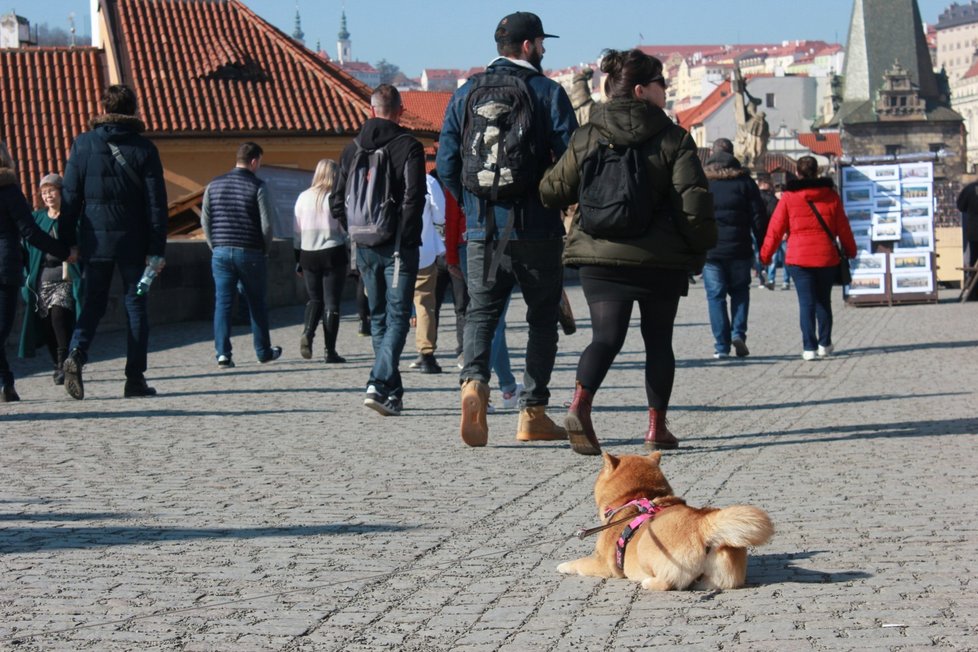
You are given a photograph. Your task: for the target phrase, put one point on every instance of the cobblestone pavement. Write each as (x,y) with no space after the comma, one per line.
(264,508)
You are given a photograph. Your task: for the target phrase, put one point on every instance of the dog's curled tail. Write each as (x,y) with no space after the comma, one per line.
(739,526)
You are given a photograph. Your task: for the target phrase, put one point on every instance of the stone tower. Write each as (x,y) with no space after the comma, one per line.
(892,101)
(343,43)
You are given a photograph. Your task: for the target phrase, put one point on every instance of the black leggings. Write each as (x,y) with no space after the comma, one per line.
(609,325)
(324,273)
(59,325)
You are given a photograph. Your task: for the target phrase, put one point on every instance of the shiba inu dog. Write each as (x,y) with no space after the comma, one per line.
(653,537)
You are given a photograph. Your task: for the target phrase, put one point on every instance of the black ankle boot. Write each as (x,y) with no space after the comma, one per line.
(74,384)
(8,394)
(331,328)
(137,388)
(59,367)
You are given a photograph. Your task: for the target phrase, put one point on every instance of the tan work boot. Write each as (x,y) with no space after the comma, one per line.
(475,400)
(535,425)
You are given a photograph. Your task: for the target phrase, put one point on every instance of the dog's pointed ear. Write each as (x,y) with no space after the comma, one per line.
(655,456)
(610,462)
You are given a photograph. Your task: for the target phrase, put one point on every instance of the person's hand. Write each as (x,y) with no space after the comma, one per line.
(159,260)
(72,255)
(456,272)
(298,269)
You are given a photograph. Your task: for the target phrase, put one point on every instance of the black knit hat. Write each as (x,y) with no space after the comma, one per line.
(519,27)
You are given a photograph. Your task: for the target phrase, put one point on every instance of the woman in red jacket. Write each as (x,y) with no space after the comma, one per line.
(812,256)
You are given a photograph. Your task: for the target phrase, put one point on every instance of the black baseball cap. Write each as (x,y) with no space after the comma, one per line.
(519,27)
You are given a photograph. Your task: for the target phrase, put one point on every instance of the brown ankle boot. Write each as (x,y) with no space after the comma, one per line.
(475,401)
(658,438)
(535,425)
(580,431)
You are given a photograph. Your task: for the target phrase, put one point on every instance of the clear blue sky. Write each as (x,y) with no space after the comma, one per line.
(416,34)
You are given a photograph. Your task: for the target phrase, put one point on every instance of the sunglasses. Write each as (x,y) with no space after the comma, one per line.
(659,79)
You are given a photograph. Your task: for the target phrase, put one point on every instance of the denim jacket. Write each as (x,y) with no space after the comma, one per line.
(554,114)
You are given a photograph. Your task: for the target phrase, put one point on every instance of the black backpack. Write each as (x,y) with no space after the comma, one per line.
(614,201)
(372,211)
(499,152)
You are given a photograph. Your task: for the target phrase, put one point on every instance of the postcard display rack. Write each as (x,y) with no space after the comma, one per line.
(891,212)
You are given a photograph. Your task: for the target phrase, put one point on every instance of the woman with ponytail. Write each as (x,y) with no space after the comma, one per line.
(649,268)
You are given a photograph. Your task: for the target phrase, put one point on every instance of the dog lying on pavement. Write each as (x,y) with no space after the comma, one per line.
(651,536)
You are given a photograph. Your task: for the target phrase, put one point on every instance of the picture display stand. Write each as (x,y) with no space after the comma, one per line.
(891,211)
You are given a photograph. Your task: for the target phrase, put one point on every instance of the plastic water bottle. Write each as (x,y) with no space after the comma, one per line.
(153,267)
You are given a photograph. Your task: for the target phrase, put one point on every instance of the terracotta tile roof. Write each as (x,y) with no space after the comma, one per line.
(47,97)
(429,106)
(216,66)
(827,143)
(694,116)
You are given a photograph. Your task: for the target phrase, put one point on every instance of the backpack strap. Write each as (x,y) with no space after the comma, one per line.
(117,153)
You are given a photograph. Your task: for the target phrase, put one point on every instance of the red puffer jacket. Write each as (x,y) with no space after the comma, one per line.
(808,244)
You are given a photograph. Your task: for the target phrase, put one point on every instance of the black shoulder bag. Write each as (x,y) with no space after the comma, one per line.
(843,275)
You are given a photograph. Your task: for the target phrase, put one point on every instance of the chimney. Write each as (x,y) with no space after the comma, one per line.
(96,24)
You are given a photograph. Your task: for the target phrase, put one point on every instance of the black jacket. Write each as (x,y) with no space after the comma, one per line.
(110,216)
(407,159)
(739,209)
(968,204)
(16,222)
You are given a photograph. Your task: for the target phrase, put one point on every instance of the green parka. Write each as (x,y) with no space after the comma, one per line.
(682,229)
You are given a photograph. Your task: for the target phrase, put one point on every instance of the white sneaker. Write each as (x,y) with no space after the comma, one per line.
(808,355)
(490,408)
(825,351)
(512,399)
(720,355)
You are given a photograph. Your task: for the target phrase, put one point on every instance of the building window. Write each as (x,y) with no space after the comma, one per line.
(893,150)
(769,100)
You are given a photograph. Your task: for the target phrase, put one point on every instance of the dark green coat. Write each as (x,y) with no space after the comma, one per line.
(682,229)
(32,332)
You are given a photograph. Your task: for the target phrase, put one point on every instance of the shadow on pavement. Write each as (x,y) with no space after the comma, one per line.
(78,516)
(765,570)
(25,540)
(130,414)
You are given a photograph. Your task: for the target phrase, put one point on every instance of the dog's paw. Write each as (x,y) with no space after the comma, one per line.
(655,584)
(567,568)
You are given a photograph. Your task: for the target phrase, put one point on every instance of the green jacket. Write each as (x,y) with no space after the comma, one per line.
(682,229)
(32,333)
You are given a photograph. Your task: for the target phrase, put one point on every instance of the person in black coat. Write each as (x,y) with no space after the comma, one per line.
(114,209)
(740,213)
(16,222)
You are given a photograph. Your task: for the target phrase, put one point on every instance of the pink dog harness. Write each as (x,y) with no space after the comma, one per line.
(646,512)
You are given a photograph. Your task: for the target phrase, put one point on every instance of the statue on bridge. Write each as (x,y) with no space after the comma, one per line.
(753,131)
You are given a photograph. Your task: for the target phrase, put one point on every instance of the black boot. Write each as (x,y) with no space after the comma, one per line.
(331,328)
(8,394)
(59,367)
(137,388)
(314,310)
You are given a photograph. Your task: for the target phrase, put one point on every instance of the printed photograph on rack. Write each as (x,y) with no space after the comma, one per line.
(864,244)
(868,284)
(861,229)
(910,261)
(867,263)
(917,192)
(887,232)
(912,240)
(859,214)
(855,175)
(886,203)
(887,188)
(916,224)
(919,210)
(917,171)
(858,195)
(886,218)
(913,282)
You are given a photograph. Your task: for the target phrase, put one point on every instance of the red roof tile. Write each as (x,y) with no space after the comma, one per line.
(430,106)
(47,97)
(216,66)
(694,116)
(827,143)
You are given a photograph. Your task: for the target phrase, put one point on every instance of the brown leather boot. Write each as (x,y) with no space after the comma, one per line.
(580,431)
(658,438)
(535,425)
(475,401)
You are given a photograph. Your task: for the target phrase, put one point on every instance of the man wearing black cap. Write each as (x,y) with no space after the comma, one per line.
(503,128)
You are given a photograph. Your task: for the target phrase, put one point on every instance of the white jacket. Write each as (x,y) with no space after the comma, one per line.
(432,244)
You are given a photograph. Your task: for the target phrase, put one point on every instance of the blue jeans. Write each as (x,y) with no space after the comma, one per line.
(229,266)
(8,306)
(814,288)
(534,265)
(390,310)
(97,279)
(777,260)
(500,355)
(722,278)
